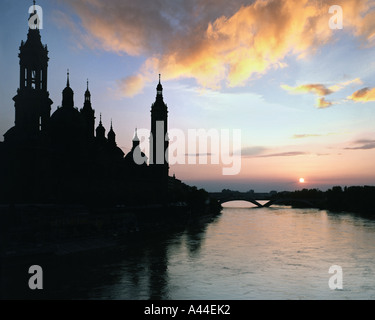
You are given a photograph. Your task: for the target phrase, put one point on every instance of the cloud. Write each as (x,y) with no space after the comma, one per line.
(217,43)
(252,151)
(342,85)
(301,136)
(318,89)
(258,152)
(130,86)
(284,154)
(322,103)
(363,95)
(310,135)
(363,145)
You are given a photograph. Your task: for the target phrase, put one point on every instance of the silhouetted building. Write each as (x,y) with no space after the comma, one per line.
(88,115)
(159,141)
(62,157)
(32,103)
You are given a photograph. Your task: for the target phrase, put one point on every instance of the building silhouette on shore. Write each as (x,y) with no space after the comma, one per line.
(61,156)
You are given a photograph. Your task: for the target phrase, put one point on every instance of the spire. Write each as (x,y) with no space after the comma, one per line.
(87,94)
(68,94)
(67,79)
(100,130)
(136,135)
(112,136)
(136,139)
(111,131)
(159,88)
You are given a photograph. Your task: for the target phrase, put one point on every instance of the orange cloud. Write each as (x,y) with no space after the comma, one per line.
(363,95)
(130,86)
(339,86)
(218,43)
(318,89)
(322,103)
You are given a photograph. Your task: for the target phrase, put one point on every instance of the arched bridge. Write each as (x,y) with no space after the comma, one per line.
(223,197)
(226,198)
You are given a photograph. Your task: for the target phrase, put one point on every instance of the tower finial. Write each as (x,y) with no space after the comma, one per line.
(135,138)
(67,81)
(159,88)
(87,84)
(100,118)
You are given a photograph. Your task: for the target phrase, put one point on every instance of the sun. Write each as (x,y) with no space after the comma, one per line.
(301,180)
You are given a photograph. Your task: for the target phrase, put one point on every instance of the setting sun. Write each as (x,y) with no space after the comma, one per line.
(301,180)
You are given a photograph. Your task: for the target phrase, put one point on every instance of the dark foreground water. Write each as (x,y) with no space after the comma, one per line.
(244,253)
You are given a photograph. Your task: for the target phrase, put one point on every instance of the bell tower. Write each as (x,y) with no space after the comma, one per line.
(32,102)
(159,130)
(159,144)
(88,114)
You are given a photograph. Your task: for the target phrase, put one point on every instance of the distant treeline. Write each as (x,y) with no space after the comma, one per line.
(358,199)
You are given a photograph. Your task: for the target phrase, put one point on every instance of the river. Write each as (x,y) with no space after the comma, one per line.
(245,253)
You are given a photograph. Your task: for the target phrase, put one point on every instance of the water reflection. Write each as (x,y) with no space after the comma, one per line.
(245,253)
(138,269)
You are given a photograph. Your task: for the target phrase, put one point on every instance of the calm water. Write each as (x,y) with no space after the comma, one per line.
(245,253)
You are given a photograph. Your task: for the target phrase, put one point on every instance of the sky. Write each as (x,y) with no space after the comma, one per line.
(298,88)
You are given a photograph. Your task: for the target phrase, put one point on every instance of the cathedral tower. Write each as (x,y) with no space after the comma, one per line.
(112,137)
(100,131)
(159,144)
(159,131)
(88,115)
(32,102)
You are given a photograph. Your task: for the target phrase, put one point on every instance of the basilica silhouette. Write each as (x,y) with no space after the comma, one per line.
(62,157)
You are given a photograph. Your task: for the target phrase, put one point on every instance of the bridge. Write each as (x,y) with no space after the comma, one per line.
(236,196)
(223,197)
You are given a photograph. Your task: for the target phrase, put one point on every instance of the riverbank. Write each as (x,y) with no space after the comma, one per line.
(356,199)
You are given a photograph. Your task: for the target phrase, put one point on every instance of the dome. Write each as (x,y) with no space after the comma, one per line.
(66,125)
(65,120)
(66,116)
(68,91)
(100,130)
(129,158)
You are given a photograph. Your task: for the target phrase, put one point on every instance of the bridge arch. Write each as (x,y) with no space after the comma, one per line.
(229,199)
